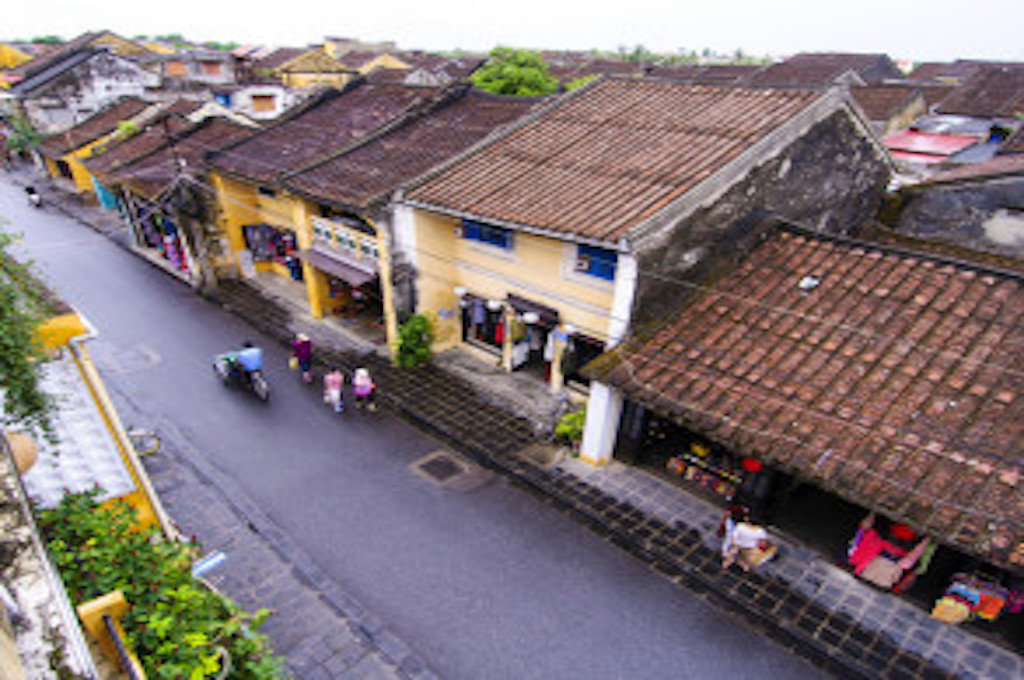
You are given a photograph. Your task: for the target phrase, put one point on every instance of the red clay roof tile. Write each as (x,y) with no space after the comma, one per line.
(914,395)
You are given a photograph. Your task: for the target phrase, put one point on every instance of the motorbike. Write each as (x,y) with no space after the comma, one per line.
(226,367)
(34,199)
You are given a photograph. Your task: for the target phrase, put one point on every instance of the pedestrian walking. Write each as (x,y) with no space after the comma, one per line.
(302,352)
(334,390)
(363,389)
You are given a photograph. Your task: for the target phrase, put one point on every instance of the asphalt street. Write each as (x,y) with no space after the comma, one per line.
(488,583)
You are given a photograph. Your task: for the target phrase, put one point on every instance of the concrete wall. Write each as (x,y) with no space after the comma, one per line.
(79,93)
(832,178)
(982,215)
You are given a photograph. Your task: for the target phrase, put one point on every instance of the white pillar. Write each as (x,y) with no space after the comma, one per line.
(604,410)
(622,299)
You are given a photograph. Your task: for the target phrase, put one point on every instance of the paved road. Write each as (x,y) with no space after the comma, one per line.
(483,584)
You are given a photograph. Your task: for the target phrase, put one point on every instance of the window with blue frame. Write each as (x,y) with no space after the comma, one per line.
(487,233)
(596,262)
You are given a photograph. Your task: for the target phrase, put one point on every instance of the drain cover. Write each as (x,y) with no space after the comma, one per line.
(450,471)
(441,468)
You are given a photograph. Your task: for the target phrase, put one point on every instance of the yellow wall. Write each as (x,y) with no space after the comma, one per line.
(534,269)
(383,61)
(306,80)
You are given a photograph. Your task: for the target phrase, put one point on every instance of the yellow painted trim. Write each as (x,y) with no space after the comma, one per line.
(592,461)
(58,331)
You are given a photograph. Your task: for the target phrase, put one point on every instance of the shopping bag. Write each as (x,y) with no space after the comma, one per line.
(293,363)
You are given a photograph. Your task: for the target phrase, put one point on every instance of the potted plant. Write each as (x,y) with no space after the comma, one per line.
(569,429)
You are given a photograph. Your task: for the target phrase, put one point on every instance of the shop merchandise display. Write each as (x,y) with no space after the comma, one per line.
(970,596)
(719,473)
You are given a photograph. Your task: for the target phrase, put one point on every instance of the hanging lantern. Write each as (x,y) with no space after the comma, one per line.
(751,464)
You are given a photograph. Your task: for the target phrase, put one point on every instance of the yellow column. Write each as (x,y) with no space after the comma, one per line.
(509,315)
(316,289)
(557,378)
(387,290)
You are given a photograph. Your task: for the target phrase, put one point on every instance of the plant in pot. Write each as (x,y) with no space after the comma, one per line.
(569,429)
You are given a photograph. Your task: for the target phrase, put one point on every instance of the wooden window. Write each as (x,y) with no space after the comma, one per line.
(263,102)
(177,69)
(211,68)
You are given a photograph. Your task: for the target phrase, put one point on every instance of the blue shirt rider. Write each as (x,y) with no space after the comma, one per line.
(250,358)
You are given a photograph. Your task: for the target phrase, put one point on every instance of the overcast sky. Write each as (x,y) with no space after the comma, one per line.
(925,30)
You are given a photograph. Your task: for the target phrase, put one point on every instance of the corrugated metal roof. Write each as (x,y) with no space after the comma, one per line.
(611,155)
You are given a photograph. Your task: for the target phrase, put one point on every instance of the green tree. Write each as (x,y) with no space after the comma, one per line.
(47,40)
(580,82)
(414,339)
(516,72)
(23,137)
(21,353)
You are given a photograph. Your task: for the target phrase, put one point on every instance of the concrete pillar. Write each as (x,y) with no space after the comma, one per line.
(557,381)
(604,410)
(508,317)
(387,288)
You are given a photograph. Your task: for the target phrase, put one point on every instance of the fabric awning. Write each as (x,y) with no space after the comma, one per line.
(351,274)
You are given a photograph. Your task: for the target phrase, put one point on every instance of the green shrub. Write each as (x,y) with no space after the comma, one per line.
(174,625)
(570,427)
(415,337)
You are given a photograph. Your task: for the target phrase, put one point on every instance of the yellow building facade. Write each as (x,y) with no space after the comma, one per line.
(535,282)
(326,247)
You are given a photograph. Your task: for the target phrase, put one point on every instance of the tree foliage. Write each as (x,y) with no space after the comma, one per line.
(415,337)
(23,138)
(21,353)
(517,72)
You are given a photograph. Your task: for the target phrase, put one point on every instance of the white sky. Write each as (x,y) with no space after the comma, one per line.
(924,30)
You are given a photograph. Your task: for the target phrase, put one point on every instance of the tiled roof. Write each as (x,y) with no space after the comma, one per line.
(153,174)
(893,379)
(595,67)
(707,74)
(49,58)
(1015,144)
(327,125)
(356,59)
(608,156)
(24,87)
(102,123)
(1000,166)
(817,70)
(991,92)
(881,102)
(381,166)
(279,57)
(155,134)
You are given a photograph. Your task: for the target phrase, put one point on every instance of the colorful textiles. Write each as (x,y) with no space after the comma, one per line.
(980,597)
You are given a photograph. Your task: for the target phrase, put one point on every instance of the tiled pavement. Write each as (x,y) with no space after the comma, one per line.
(800,599)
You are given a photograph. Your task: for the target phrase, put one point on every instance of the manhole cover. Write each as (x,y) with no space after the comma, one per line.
(441,468)
(451,472)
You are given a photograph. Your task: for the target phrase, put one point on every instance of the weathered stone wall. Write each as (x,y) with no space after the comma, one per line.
(831,179)
(982,215)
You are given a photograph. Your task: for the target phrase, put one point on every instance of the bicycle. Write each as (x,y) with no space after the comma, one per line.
(145,442)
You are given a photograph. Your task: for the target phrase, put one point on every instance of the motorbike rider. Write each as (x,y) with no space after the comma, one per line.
(33,196)
(250,360)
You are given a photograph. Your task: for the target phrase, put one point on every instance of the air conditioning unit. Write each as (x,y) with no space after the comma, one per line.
(458,231)
(582,263)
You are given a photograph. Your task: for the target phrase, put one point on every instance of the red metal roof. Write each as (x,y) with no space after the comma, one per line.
(610,155)
(892,378)
(911,141)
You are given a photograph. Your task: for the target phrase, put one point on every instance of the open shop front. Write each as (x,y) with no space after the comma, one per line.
(348,288)
(272,249)
(951,585)
(157,233)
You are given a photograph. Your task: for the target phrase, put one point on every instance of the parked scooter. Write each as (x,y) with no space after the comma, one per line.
(227,368)
(34,199)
